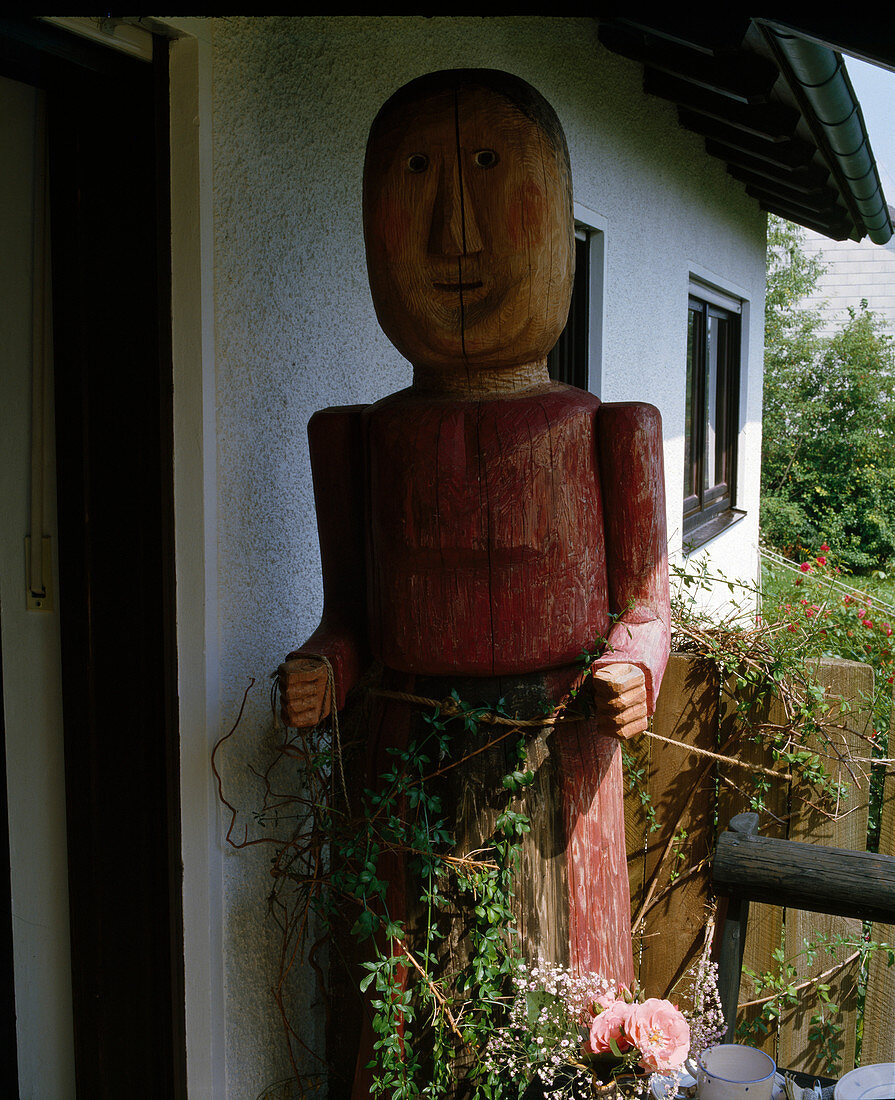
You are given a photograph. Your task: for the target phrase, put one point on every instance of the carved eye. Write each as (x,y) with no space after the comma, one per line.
(486,158)
(419,162)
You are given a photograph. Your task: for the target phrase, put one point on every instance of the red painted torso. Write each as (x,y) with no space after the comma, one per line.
(486,550)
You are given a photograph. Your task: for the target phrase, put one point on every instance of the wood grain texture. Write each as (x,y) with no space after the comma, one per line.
(879,1007)
(638,753)
(593,815)
(467,222)
(487,554)
(680,787)
(852,683)
(808,877)
(735,793)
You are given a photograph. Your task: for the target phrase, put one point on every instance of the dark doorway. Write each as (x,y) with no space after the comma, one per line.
(107,134)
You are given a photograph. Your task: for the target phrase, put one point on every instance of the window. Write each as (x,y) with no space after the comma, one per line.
(576,358)
(712,412)
(567,362)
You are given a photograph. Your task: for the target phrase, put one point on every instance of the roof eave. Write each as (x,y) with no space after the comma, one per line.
(818,78)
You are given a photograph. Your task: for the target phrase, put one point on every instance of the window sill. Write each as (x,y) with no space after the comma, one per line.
(699,536)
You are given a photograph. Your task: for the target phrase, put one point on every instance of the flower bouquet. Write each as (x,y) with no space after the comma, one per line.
(579,1036)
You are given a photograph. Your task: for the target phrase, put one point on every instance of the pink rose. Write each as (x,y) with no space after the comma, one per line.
(611,1024)
(660,1033)
(805,567)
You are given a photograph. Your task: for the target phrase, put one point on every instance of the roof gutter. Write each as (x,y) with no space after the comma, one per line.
(821,76)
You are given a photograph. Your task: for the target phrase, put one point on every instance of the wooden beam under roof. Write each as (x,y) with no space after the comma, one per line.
(710,35)
(821,199)
(772,121)
(786,154)
(734,83)
(806,177)
(744,77)
(837,228)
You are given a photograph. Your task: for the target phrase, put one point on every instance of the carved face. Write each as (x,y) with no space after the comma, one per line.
(468,228)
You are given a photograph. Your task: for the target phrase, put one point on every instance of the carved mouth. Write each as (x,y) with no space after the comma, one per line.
(458,286)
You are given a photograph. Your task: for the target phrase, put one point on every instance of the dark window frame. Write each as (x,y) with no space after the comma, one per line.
(711,429)
(569,360)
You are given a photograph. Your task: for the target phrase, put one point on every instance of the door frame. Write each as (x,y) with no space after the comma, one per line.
(109,127)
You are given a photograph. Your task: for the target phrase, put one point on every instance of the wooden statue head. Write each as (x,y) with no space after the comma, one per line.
(468,221)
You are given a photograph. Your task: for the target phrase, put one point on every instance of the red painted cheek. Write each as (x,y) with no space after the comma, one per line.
(393,223)
(525,216)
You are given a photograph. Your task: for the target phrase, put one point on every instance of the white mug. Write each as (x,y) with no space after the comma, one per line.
(731,1072)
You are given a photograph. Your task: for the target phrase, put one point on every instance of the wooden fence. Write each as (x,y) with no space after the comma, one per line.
(692,797)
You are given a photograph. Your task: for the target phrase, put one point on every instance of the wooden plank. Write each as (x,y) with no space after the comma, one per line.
(878,1044)
(637,754)
(681,790)
(737,793)
(852,683)
(807,876)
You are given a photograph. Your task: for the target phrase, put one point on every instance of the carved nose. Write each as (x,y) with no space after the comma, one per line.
(454,231)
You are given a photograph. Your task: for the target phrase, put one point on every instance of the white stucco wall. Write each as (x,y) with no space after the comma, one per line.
(295,332)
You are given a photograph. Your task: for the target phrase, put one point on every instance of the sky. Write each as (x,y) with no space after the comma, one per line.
(875,89)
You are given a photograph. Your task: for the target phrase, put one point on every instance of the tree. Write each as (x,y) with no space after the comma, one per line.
(828,458)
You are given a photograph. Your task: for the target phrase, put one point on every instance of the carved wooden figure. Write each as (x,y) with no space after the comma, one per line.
(482,527)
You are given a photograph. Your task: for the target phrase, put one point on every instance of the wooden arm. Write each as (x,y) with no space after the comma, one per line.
(337,464)
(632,480)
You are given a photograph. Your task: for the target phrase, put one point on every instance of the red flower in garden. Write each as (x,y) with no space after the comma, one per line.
(846,599)
(867,623)
(821,560)
(824,549)
(805,567)
(791,628)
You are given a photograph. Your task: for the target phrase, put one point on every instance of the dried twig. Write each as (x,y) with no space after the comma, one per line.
(803,985)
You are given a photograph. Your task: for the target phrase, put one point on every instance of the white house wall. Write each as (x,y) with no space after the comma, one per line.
(296,332)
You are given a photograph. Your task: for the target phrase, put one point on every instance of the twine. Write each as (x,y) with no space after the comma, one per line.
(450,708)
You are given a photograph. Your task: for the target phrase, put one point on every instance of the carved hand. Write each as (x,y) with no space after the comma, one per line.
(619,698)
(304,692)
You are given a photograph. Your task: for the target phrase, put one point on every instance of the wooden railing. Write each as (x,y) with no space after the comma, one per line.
(693,796)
